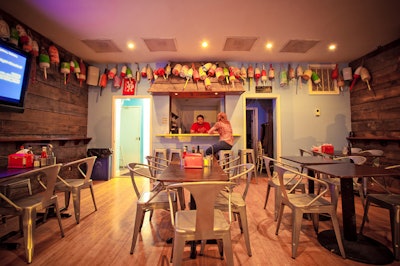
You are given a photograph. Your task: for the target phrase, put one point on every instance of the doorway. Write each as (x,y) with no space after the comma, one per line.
(263,124)
(130,131)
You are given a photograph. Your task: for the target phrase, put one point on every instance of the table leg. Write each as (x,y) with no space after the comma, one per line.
(348,209)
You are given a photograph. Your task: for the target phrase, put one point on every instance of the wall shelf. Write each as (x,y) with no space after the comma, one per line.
(190,135)
(63,141)
(382,140)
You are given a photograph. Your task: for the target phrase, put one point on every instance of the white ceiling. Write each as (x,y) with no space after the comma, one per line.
(356,26)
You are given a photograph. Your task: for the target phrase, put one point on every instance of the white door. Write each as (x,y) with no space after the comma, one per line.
(130,128)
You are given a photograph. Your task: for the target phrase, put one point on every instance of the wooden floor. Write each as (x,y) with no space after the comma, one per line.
(104,237)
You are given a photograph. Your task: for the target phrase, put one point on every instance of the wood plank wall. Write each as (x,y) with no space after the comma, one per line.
(52,109)
(378,115)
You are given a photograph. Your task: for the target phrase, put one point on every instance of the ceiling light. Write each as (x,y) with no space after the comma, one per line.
(131,45)
(204,44)
(268,45)
(332,47)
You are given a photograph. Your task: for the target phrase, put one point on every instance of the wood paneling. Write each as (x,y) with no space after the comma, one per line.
(378,116)
(52,109)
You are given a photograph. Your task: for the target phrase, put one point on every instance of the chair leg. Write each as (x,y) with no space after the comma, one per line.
(296,220)
(267,195)
(138,224)
(278,224)
(76,198)
(67,196)
(336,228)
(181,196)
(92,192)
(179,244)
(395,226)
(29,218)
(58,217)
(245,228)
(228,249)
(366,208)
(278,199)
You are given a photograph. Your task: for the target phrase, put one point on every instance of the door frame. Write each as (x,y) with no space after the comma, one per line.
(254,125)
(145,123)
(276,118)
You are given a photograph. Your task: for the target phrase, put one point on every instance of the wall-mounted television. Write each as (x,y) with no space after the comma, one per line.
(14,77)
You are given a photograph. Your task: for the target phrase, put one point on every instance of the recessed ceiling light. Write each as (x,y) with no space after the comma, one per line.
(332,47)
(268,45)
(131,45)
(204,44)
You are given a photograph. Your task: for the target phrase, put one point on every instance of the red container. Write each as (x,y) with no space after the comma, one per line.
(327,148)
(193,160)
(20,160)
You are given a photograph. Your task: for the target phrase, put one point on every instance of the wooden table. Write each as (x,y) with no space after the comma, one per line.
(357,247)
(305,161)
(177,173)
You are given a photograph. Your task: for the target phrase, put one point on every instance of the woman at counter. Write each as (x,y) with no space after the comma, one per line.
(224,129)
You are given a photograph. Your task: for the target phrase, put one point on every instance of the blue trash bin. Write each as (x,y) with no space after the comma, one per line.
(102,165)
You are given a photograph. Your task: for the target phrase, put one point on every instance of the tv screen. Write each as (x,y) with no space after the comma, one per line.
(14,77)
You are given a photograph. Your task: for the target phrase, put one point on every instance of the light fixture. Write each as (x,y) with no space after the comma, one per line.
(332,47)
(268,45)
(204,44)
(130,45)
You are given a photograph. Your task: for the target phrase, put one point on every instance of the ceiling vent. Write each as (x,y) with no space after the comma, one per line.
(102,46)
(239,43)
(160,45)
(298,46)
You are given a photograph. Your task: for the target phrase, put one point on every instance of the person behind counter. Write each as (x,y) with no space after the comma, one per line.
(200,126)
(224,129)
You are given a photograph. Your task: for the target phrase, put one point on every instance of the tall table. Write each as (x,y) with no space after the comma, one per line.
(177,173)
(357,247)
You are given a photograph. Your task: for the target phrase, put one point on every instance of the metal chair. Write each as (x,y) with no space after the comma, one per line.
(238,201)
(389,201)
(84,167)
(304,203)
(147,200)
(158,165)
(26,207)
(203,223)
(273,182)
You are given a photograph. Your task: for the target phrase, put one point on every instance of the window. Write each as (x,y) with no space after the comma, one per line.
(326,84)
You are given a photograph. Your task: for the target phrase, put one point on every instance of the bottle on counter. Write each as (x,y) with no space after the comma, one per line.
(43,157)
(193,149)
(198,149)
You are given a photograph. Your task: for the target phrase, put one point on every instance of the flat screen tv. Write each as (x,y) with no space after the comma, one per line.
(14,77)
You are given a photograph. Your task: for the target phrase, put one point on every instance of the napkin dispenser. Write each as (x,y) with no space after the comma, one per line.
(193,160)
(20,160)
(327,148)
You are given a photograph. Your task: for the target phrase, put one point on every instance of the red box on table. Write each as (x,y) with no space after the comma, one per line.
(193,160)
(20,160)
(327,148)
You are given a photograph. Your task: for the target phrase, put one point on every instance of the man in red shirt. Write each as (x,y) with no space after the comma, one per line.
(200,126)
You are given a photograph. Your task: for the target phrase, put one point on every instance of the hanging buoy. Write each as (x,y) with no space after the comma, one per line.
(189,75)
(264,77)
(176,70)
(243,74)
(54,56)
(211,71)
(196,76)
(207,83)
(315,78)
(219,73)
(111,73)
(77,69)
(184,71)
(65,69)
(283,77)
(123,71)
(299,74)
(226,74)
(44,61)
(366,77)
(250,75)
(82,73)
(143,72)
(103,81)
(168,70)
(356,76)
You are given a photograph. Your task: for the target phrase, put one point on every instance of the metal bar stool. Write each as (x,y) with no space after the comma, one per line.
(175,151)
(160,152)
(248,156)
